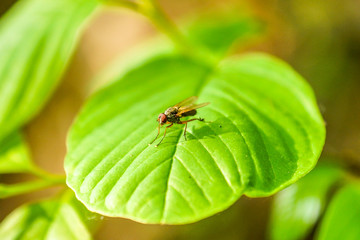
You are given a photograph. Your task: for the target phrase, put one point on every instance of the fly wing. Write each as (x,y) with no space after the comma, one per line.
(189,108)
(186,102)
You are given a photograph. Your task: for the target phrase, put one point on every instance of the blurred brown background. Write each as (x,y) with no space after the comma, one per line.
(320,39)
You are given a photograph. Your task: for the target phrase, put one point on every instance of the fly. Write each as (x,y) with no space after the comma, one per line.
(173,115)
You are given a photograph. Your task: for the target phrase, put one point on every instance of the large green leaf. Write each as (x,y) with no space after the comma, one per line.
(341,220)
(37,38)
(53,219)
(14,155)
(297,208)
(265,132)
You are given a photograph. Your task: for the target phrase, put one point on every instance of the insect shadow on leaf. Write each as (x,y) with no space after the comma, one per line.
(212,129)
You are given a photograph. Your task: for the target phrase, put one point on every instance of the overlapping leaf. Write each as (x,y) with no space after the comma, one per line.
(48,220)
(341,220)
(264,131)
(218,32)
(14,155)
(297,208)
(37,38)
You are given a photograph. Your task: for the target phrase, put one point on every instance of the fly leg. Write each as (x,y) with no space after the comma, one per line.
(164,134)
(156,135)
(185,122)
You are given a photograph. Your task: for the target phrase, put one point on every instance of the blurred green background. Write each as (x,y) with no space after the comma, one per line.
(320,39)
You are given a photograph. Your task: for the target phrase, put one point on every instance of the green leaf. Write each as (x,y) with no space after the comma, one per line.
(264,133)
(51,219)
(214,37)
(14,155)
(218,32)
(297,208)
(37,39)
(341,220)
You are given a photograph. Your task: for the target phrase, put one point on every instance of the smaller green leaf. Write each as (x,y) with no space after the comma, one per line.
(37,40)
(342,219)
(53,219)
(14,155)
(218,32)
(297,208)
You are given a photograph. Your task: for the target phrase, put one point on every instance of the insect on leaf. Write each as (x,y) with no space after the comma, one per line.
(263,132)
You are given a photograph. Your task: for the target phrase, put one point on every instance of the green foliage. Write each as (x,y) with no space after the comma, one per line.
(37,39)
(264,133)
(263,130)
(217,33)
(297,208)
(48,220)
(14,155)
(15,158)
(341,220)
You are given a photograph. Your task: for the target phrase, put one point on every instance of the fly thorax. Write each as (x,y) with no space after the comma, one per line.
(171,111)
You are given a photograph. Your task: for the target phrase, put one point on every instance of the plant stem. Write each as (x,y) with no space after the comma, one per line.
(152,10)
(350,177)
(124,3)
(9,190)
(44,175)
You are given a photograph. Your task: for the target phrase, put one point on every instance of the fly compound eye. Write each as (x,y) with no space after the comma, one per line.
(162,118)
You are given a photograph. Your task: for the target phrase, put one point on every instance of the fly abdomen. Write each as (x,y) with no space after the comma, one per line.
(190,113)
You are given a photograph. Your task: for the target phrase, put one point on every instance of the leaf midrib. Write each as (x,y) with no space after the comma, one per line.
(197,92)
(162,218)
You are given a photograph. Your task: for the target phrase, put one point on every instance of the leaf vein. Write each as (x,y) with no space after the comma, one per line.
(216,164)
(196,183)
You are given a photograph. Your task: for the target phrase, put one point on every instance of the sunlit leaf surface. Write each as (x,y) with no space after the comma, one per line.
(264,131)
(37,39)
